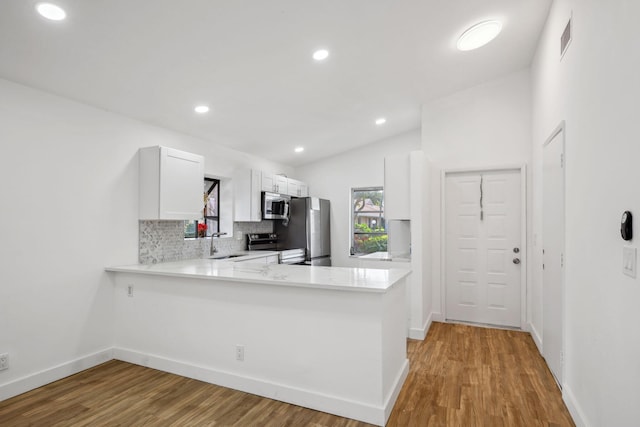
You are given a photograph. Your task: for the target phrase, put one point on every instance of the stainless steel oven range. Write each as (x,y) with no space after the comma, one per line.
(269,242)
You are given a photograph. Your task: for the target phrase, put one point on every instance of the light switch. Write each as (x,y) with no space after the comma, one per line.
(629,261)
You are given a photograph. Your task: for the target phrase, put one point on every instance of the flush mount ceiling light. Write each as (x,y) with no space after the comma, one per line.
(51,11)
(320,54)
(201,109)
(298,149)
(479,35)
(381,121)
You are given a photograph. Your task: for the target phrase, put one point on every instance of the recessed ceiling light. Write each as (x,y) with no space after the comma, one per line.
(201,109)
(381,121)
(320,54)
(479,35)
(298,149)
(51,11)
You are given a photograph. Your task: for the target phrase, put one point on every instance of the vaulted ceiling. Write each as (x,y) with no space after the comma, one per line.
(251,63)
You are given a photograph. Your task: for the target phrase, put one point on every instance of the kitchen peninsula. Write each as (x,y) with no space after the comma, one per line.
(327,338)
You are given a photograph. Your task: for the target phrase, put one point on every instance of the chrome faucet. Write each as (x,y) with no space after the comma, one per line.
(212,249)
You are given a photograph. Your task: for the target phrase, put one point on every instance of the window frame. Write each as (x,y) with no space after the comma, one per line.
(352,216)
(215,182)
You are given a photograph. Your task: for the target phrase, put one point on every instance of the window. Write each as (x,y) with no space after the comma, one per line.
(368,224)
(211,212)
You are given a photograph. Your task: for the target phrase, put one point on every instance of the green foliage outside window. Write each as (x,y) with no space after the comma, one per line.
(369,233)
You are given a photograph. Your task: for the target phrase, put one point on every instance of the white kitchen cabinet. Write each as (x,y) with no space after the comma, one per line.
(297,188)
(274,183)
(397,200)
(282,184)
(247,195)
(267,259)
(271,259)
(170,184)
(268,182)
(293,187)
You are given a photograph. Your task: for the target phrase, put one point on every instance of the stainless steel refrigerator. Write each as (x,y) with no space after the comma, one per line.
(308,228)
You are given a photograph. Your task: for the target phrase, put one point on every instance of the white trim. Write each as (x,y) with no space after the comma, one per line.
(390,401)
(574,408)
(360,411)
(524,254)
(556,131)
(58,372)
(537,339)
(522,168)
(421,333)
(437,317)
(561,128)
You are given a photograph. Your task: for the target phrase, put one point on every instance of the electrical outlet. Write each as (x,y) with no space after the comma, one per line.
(240,353)
(4,361)
(130,291)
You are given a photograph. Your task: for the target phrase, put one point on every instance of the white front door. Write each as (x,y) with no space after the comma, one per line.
(483,252)
(553,248)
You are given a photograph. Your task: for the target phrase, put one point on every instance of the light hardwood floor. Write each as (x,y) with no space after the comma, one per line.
(460,376)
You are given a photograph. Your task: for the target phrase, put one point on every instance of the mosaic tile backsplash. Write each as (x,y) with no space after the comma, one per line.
(163,241)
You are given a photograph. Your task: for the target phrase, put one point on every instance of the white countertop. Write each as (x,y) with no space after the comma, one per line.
(301,276)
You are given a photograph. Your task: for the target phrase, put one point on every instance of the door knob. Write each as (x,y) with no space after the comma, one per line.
(516,260)
(516,250)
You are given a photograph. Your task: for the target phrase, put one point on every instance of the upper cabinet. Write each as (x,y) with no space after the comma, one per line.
(248,184)
(274,183)
(297,188)
(170,184)
(282,185)
(397,187)
(247,198)
(268,181)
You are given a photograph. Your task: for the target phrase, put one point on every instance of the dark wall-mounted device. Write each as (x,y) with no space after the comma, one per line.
(626,226)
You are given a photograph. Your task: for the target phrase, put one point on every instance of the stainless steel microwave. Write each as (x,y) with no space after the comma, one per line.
(275,206)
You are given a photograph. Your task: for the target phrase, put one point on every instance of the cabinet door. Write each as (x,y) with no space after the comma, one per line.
(281,184)
(293,187)
(170,184)
(246,191)
(268,182)
(181,176)
(272,259)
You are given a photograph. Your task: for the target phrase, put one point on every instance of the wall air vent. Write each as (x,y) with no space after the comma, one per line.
(565,39)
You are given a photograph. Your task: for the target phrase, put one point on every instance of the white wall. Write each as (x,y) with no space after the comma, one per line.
(595,89)
(334,177)
(485,126)
(345,353)
(68,179)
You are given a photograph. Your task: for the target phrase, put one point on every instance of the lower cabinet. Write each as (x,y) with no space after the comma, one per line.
(270,259)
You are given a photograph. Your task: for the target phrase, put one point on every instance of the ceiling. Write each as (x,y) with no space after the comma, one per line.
(250,61)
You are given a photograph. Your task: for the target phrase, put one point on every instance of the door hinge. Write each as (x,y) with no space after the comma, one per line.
(562,160)
(561,260)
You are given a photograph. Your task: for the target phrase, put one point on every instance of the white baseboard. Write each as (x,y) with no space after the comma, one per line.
(536,336)
(38,379)
(437,317)
(421,333)
(574,408)
(390,401)
(309,399)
